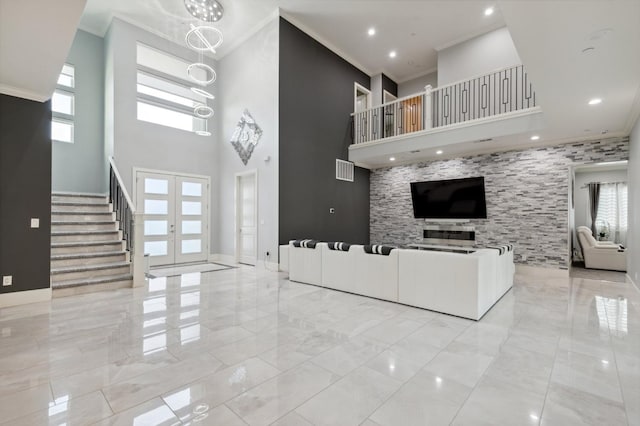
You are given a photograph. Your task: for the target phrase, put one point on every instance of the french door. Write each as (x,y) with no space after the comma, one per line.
(176,217)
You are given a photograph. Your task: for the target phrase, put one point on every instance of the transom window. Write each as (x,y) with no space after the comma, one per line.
(164,91)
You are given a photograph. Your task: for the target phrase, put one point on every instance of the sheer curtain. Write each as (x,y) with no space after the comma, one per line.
(612,211)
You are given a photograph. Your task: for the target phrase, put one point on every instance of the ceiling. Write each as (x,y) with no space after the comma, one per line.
(35,38)
(415,29)
(550,37)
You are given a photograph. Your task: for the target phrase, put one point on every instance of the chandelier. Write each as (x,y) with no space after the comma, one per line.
(203,38)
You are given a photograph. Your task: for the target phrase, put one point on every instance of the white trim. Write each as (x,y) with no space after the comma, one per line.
(25,297)
(80,194)
(314,35)
(223,258)
(541,271)
(357,87)
(237,200)
(386,92)
(247,35)
(24,94)
(171,173)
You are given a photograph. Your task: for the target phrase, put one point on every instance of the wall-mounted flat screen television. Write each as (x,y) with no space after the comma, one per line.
(449,199)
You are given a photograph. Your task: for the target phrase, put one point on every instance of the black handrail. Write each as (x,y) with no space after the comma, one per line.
(121,207)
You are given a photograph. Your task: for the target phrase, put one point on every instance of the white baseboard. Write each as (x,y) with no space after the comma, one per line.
(541,271)
(269,266)
(222,258)
(25,297)
(231,260)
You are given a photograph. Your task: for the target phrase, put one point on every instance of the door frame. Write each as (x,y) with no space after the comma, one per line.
(134,177)
(360,88)
(236,204)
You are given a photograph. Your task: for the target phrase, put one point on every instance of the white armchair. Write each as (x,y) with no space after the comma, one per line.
(601,254)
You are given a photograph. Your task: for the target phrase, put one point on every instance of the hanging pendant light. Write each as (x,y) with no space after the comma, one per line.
(205,10)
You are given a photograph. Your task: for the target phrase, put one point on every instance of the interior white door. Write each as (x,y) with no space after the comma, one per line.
(176,217)
(192,212)
(246,218)
(156,200)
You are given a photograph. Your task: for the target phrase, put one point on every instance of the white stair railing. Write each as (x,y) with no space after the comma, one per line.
(502,91)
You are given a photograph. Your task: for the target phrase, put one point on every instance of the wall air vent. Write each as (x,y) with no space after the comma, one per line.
(344,170)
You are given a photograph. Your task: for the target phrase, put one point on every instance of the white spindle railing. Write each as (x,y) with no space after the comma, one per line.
(502,91)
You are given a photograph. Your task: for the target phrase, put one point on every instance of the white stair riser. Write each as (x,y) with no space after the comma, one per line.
(112,236)
(88,226)
(98,208)
(78,199)
(83,217)
(95,260)
(78,275)
(88,249)
(71,291)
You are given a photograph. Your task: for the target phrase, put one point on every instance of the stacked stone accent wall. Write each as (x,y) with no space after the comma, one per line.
(527,197)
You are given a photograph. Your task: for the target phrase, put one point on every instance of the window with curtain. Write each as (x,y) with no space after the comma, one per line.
(612,211)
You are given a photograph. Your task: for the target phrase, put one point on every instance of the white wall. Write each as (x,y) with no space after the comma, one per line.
(417,84)
(633,235)
(81,166)
(249,80)
(581,199)
(145,145)
(376,90)
(477,56)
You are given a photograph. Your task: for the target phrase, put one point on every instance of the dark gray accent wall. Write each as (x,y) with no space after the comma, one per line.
(316,100)
(389,85)
(25,192)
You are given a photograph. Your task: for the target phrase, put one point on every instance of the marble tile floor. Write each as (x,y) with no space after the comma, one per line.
(248,347)
(578,270)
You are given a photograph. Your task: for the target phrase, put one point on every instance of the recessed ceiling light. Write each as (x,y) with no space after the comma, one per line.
(392,54)
(372,31)
(488,11)
(595,101)
(535,137)
(439,152)
(392,158)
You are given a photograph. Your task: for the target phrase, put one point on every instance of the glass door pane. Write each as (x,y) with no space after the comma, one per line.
(156,196)
(192,219)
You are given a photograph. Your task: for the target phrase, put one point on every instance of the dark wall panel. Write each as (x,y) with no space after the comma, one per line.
(389,85)
(25,192)
(316,100)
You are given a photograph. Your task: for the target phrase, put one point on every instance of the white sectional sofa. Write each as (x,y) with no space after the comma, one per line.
(305,264)
(465,285)
(454,283)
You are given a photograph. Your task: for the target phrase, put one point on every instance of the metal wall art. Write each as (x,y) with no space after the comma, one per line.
(246,136)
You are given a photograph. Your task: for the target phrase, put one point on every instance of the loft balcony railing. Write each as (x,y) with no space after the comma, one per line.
(500,92)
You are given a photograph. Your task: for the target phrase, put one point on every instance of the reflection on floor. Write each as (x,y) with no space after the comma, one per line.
(175,270)
(579,271)
(241,346)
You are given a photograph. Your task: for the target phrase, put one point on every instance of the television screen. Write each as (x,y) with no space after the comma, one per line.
(449,199)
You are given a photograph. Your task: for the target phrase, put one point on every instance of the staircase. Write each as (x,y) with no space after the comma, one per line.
(87,250)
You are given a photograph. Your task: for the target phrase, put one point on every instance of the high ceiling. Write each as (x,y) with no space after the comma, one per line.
(415,29)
